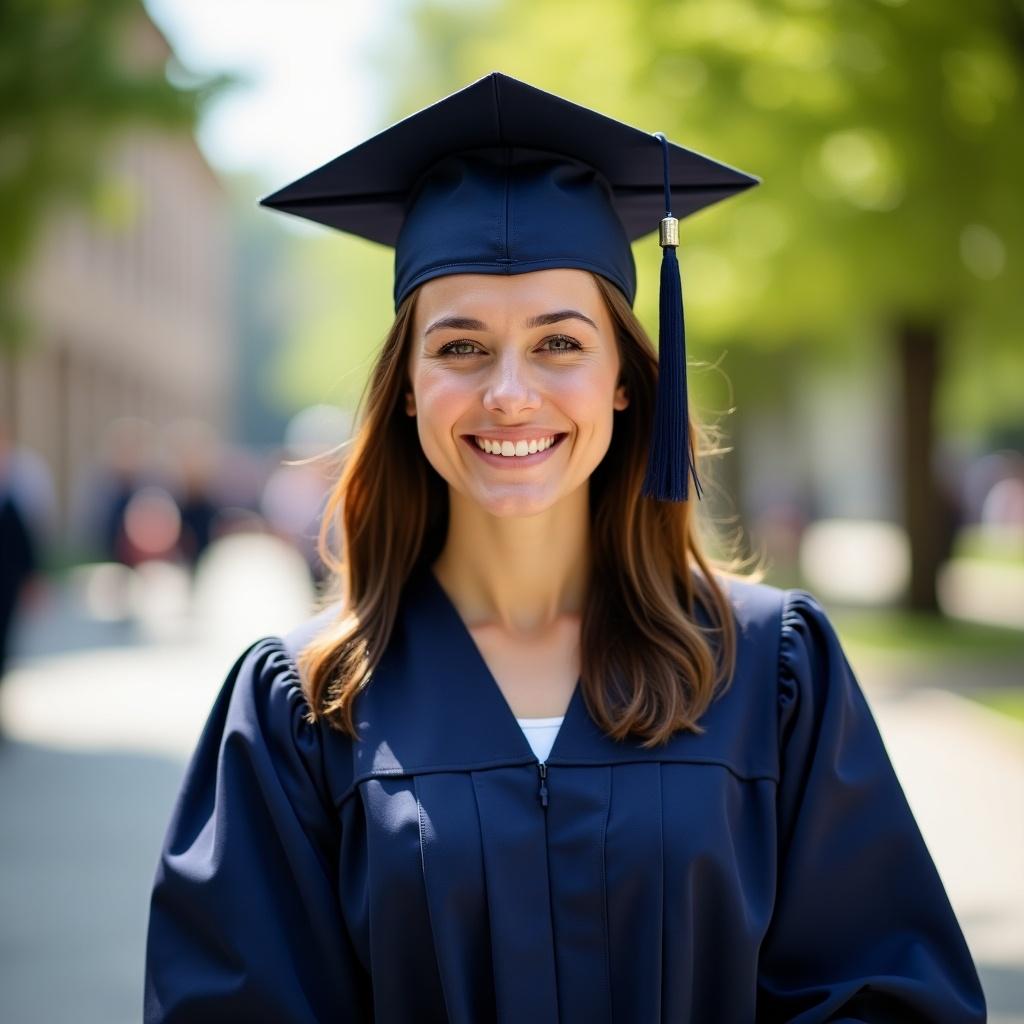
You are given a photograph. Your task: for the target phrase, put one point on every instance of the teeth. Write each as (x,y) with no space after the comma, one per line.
(512,449)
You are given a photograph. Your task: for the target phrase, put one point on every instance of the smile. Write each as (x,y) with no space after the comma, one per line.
(515,453)
(515,449)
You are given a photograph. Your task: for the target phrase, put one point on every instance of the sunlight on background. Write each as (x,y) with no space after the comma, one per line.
(310,94)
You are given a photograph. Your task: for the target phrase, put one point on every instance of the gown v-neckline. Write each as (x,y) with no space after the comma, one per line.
(490,683)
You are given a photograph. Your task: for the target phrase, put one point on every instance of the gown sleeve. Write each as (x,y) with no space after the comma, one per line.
(862,928)
(245,923)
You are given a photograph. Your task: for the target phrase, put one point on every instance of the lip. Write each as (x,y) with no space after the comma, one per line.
(511,462)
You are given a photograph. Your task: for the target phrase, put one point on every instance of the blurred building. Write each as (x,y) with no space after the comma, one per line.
(132,303)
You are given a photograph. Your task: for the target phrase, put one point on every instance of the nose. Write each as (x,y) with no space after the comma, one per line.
(510,389)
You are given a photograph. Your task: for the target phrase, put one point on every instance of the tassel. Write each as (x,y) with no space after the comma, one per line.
(671,459)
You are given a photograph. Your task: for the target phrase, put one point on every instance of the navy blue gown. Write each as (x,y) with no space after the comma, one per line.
(768,870)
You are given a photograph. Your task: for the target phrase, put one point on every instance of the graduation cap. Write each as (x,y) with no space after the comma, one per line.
(504,178)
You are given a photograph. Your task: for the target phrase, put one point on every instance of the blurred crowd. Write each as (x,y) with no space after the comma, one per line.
(153,495)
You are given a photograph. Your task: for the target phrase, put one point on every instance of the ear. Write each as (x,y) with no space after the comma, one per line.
(410,404)
(621,397)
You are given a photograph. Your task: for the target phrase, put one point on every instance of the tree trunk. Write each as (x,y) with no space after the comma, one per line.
(926,508)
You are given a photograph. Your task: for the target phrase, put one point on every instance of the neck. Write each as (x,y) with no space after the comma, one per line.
(519,574)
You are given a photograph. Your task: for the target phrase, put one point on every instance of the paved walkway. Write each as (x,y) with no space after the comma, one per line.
(962,768)
(100,740)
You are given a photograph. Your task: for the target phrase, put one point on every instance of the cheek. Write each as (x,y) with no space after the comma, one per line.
(439,400)
(589,397)
(442,404)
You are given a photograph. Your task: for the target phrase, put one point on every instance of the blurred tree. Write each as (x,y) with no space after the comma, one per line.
(341,308)
(70,80)
(888,136)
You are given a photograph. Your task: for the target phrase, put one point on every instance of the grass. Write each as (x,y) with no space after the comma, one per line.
(929,636)
(1001,545)
(974,649)
(1008,701)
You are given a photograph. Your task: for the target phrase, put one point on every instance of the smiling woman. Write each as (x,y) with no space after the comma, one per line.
(524,532)
(539,757)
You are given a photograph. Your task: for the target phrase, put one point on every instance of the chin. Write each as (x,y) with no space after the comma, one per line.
(514,506)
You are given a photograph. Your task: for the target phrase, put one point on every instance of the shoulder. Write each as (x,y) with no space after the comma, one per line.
(785,632)
(264,706)
(301,635)
(764,608)
(759,611)
(264,688)
(788,654)
(754,604)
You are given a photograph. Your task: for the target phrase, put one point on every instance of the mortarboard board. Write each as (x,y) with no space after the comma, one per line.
(504,178)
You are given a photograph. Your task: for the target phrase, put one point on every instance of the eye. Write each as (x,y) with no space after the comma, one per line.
(574,345)
(448,349)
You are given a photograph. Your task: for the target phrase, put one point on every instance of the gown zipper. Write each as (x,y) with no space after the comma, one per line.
(543,791)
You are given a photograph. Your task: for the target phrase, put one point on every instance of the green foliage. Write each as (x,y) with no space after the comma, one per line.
(69,80)
(342,307)
(886,133)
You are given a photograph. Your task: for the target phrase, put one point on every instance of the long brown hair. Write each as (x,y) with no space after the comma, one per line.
(648,668)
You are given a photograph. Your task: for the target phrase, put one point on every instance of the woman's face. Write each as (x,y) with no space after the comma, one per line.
(514,360)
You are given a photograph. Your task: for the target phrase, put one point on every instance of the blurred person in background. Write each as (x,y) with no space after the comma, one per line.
(199,514)
(126,464)
(197,458)
(20,554)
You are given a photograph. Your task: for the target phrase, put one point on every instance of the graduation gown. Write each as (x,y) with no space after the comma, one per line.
(768,870)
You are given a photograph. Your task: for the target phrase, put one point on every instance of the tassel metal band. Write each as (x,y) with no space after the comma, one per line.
(669,231)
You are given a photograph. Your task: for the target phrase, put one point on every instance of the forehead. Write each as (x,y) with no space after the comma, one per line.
(499,299)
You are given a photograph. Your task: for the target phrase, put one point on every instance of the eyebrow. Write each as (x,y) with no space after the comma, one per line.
(465,323)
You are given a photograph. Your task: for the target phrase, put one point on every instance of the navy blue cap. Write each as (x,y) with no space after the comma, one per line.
(504,178)
(518,210)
